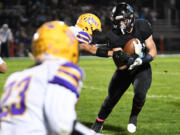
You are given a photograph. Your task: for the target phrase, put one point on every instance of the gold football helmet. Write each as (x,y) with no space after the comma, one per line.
(54,39)
(89,23)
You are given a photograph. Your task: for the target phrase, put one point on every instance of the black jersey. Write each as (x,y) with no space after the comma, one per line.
(141,30)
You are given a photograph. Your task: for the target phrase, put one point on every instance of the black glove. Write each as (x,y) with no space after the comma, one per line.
(121,58)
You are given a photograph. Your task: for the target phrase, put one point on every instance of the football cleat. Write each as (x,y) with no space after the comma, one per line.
(131,128)
(89,23)
(97,126)
(55,40)
(132,124)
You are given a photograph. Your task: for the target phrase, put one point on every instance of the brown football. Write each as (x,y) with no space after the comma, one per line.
(129,47)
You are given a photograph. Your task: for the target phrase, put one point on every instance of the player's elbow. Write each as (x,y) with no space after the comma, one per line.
(154,54)
(3,68)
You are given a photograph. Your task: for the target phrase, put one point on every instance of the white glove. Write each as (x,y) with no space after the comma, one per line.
(137,62)
(137,47)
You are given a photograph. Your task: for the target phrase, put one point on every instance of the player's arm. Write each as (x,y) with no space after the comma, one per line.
(146,31)
(3,67)
(150,45)
(98,51)
(80,129)
(151,55)
(60,111)
(120,56)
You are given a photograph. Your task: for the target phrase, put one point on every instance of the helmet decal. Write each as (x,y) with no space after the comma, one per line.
(129,8)
(91,20)
(89,23)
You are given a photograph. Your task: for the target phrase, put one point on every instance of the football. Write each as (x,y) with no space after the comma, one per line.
(129,49)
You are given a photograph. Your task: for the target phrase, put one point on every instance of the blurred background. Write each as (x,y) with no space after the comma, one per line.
(24,16)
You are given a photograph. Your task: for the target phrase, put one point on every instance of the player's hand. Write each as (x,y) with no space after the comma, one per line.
(137,62)
(137,47)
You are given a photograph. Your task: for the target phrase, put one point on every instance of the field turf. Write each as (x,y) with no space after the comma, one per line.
(161,113)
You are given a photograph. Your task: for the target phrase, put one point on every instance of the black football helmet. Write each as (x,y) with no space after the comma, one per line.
(123,12)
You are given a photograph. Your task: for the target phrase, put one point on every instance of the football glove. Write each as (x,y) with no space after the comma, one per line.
(137,62)
(137,47)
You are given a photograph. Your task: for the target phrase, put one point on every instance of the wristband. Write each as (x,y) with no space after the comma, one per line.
(101,52)
(148,58)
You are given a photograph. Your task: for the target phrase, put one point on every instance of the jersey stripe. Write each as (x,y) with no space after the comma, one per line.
(69,76)
(83,37)
(66,84)
(71,71)
(82,40)
(68,64)
(3,114)
(85,34)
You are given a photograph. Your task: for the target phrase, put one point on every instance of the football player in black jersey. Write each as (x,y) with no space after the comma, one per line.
(137,69)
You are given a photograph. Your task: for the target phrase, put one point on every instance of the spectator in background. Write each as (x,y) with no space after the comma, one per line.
(6,38)
(2,66)
(21,41)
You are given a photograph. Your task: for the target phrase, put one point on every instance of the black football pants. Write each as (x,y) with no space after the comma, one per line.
(141,80)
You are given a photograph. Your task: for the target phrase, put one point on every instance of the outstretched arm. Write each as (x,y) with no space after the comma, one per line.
(95,50)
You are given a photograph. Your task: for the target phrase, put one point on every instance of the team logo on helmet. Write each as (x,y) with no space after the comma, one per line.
(89,23)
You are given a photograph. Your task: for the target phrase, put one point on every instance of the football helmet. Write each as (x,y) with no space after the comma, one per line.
(89,23)
(123,17)
(55,40)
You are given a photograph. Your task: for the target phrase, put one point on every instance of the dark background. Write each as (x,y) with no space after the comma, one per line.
(24,16)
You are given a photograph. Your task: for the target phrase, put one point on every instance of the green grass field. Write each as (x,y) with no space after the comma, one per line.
(161,113)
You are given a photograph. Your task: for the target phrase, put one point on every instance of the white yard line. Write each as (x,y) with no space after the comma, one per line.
(168,73)
(131,93)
